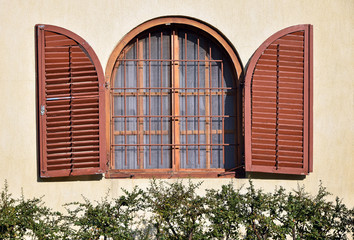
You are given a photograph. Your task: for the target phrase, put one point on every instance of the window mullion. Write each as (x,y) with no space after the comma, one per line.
(207,110)
(140,104)
(175,102)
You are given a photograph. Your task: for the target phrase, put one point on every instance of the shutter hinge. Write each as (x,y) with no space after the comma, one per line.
(42,110)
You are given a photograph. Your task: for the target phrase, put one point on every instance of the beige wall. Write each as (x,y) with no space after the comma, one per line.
(246,23)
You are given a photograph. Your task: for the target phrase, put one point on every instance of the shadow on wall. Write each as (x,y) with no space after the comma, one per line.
(271,176)
(97,177)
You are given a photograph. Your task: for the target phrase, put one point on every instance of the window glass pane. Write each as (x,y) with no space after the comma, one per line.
(204,71)
(143,103)
(151,81)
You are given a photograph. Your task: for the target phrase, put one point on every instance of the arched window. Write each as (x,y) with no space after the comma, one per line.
(171,103)
(174,103)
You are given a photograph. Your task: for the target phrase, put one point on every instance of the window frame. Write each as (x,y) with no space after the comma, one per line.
(237,71)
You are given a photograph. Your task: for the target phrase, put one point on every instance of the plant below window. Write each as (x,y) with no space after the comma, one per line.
(176,211)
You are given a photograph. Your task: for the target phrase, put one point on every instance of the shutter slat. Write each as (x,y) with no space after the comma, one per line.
(276,104)
(67,154)
(64,144)
(66,68)
(55,49)
(72,95)
(284,53)
(74,138)
(74,166)
(74,149)
(287,48)
(57,54)
(71,89)
(74,79)
(73,160)
(66,42)
(282,63)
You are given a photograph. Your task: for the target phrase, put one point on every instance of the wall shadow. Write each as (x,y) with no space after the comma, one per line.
(272,176)
(97,177)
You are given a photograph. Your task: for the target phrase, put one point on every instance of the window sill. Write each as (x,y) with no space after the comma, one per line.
(163,173)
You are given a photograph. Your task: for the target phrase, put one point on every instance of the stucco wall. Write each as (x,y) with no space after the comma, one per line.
(246,24)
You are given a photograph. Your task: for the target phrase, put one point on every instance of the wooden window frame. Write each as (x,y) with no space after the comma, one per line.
(175,171)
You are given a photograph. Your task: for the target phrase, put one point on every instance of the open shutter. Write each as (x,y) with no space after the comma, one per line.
(71,104)
(278,104)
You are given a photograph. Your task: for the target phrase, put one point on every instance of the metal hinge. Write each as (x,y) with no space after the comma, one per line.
(42,110)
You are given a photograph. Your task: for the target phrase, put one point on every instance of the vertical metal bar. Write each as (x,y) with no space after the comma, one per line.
(207,108)
(211,109)
(140,99)
(111,126)
(137,102)
(125,111)
(150,99)
(222,113)
(161,84)
(175,108)
(198,96)
(185,91)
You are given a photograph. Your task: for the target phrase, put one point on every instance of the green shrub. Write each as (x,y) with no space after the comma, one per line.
(109,219)
(224,212)
(280,215)
(20,218)
(175,211)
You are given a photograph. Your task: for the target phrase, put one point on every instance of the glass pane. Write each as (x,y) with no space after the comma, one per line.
(205,75)
(142,93)
(142,87)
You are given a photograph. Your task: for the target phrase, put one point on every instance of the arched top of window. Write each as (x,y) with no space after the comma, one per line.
(187,23)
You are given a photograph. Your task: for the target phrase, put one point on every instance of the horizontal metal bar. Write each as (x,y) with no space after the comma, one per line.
(73,97)
(171,145)
(228,93)
(165,132)
(134,132)
(168,60)
(171,88)
(58,98)
(174,116)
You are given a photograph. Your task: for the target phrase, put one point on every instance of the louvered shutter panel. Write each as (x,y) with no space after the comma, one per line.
(278,104)
(71,107)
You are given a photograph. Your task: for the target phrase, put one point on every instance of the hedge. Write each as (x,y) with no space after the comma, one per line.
(175,211)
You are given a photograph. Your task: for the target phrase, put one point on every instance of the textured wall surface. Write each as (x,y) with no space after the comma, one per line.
(246,23)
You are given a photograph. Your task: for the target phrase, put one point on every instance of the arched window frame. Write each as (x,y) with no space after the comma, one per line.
(236,67)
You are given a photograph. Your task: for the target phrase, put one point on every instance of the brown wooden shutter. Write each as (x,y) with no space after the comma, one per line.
(71,104)
(278,104)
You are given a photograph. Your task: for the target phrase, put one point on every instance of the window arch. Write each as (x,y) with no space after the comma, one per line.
(174,101)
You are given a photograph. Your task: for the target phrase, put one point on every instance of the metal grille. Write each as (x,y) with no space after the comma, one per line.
(173,104)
